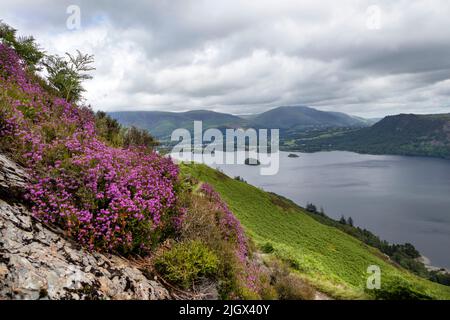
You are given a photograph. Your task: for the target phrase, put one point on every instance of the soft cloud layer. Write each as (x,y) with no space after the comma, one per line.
(248,56)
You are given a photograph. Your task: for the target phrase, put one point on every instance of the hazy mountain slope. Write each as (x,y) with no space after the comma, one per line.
(303,118)
(333,261)
(405,134)
(161,124)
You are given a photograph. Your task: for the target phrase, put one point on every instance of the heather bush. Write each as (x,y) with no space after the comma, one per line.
(266,290)
(209,220)
(111,199)
(287,285)
(108,198)
(228,223)
(187,262)
(200,222)
(293,288)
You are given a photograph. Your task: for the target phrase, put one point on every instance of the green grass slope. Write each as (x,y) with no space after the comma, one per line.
(333,261)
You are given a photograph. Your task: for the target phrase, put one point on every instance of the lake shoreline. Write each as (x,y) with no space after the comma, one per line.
(365,153)
(430,267)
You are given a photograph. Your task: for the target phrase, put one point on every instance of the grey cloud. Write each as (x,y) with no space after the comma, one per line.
(247,56)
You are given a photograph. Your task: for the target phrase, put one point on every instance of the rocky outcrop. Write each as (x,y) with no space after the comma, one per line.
(38,262)
(12,179)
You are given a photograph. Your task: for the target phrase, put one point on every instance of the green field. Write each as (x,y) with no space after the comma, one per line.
(333,261)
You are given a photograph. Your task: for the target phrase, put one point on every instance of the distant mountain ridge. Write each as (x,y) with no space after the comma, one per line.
(403,134)
(300,117)
(161,124)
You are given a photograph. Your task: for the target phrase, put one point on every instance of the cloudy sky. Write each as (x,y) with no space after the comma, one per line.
(367,58)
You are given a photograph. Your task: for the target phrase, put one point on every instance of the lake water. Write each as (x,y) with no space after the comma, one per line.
(401,199)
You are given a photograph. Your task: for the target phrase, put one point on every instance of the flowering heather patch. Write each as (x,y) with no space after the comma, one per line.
(106,198)
(232,229)
(229,224)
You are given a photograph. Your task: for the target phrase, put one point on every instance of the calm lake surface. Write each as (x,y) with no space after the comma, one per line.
(401,199)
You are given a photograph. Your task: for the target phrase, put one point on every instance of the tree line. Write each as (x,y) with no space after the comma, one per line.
(406,255)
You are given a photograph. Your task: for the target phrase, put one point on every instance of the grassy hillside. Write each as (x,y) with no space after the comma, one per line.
(404,134)
(333,261)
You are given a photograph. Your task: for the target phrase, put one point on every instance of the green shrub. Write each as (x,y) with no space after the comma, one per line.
(26,47)
(138,137)
(398,289)
(66,74)
(267,248)
(187,262)
(441,277)
(109,129)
